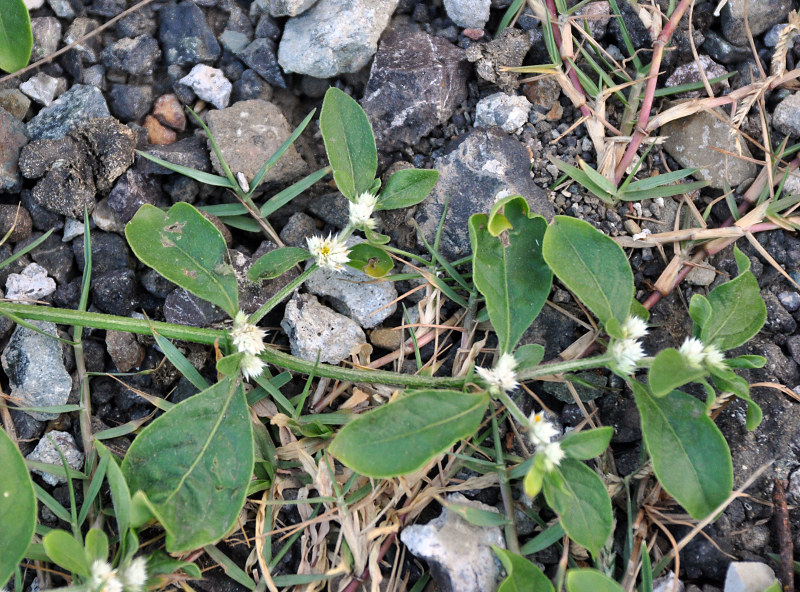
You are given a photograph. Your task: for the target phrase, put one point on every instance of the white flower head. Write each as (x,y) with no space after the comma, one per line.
(634,328)
(692,352)
(330,252)
(135,576)
(714,357)
(627,354)
(542,431)
(502,376)
(252,366)
(361,211)
(246,337)
(553,454)
(104,578)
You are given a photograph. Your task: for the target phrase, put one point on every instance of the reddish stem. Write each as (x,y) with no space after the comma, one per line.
(573,76)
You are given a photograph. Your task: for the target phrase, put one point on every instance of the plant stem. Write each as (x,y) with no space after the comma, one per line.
(281,294)
(649,92)
(512,542)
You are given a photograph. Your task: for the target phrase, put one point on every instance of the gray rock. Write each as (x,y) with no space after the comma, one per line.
(353,293)
(95,76)
(109,252)
(53,255)
(70,110)
(137,56)
(761,15)
(16,220)
(416,82)
(334,36)
(185,35)
(479,168)
(209,84)
(125,351)
(35,369)
(509,112)
(637,31)
(247,134)
(260,56)
(789,300)
(254,294)
(786,117)
(47,451)
(32,284)
(773,35)
(748,576)
(16,103)
(105,218)
(130,102)
(701,276)
(688,73)
(89,49)
(691,141)
(289,7)
(508,49)
(458,553)
(268,28)
(297,228)
(251,86)
(42,88)
(15,136)
(469,14)
(315,330)
(116,292)
(72,228)
(778,318)
(132,191)
(233,41)
(721,50)
(28,430)
(190,152)
(597,14)
(46,35)
(63,8)
(184,308)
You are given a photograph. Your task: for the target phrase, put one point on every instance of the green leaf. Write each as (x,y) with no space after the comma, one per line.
(401,436)
(590,580)
(580,499)
(549,536)
(742,260)
(746,362)
(690,456)
(514,279)
(372,260)
(737,313)
(187,249)
(200,176)
(194,464)
(591,265)
(229,365)
(476,516)
(534,478)
(727,380)
(272,264)
(16,39)
(159,563)
(669,371)
(407,188)
(587,444)
(528,356)
(699,310)
(63,550)
(96,546)
(17,507)
(120,495)
(583,179)
(349,143)
(523,576)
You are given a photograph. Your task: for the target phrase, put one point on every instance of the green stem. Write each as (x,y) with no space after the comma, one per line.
(561,367)
(512,541)
(512,407)
(281,294)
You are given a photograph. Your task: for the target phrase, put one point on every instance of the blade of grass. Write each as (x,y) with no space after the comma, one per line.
(27,249)
(201,176)
(281,198)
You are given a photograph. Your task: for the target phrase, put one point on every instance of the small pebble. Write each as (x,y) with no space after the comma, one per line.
(158,134)
(169,111)
(789,300)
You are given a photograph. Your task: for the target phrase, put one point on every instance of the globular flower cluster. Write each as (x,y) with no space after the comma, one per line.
(542,432)
(104,578)
(698,355)
(628,352)
(361,211)
(248,339)
(330,252)
(502,377)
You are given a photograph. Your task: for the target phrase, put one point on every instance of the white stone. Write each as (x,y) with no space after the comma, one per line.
(72,228)
(33,4)
(289,7)
(41,88)
(46,451)
(31,284)
(748,576)
(509,112)
(470,14)
(667,584)
(209,84)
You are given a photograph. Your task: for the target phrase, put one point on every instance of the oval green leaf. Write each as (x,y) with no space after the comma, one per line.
(272,264)
(63,550)
(407,188)
(194,464)
(401,436)
(670,371)
(349,143)
(523,576)
(16,39)
(372,260)
(690,455)
(187,249)
(587,444)
(514,279)
(591,265)
(580,499)
(737,312)
(590,580)
(17,508)
(476,516)
(96,546)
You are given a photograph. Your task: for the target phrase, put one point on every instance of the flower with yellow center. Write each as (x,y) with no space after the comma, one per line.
(330,252)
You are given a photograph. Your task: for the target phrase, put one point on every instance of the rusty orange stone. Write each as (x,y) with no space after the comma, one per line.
(169,111)
(157,133)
